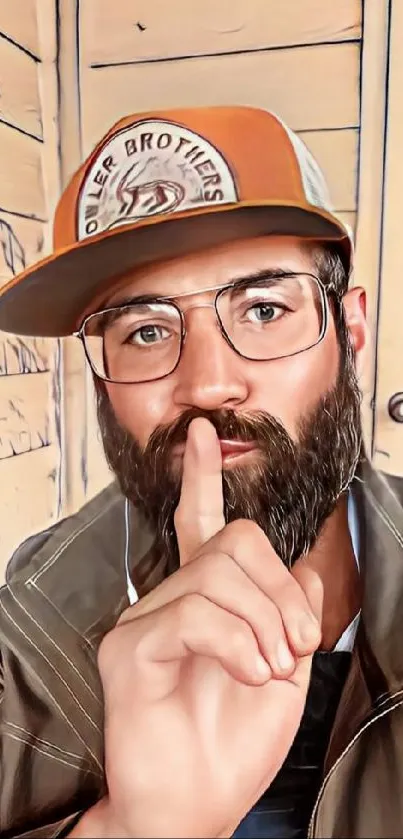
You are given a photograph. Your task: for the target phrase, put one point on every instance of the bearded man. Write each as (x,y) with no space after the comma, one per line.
(209,648)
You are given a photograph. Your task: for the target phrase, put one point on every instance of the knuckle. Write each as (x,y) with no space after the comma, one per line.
(287,590)
(244,527)
(187,607)
(240,640)
(212,568)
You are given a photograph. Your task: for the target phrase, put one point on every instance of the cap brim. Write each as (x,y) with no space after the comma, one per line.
(49,298)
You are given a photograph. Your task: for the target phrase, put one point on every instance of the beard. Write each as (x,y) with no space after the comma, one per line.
(290,490)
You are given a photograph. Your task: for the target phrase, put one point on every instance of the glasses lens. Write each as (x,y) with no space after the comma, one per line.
(267,319)
(134,343)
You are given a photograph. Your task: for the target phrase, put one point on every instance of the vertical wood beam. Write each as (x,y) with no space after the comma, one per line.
(74,388)
(374,77)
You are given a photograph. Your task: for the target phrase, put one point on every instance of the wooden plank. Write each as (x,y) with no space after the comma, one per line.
(122,31)
(19,101)
(337,155)
(19,355)
(49,95)
(29,500)
(370,190)
(388,434)
(75,431)
(27,416)
(21,244)
(21,185)
(18,21)
(312,88)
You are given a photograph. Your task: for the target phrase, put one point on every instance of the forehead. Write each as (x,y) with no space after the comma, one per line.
(215,266)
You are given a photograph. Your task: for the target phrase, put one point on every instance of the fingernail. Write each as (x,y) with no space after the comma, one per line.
(284,657)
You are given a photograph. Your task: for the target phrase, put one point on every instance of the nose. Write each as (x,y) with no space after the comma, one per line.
(210,374)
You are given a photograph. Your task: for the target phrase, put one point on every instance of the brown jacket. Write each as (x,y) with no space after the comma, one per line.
(66,588)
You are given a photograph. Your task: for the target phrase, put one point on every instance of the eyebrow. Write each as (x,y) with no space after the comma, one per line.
(238,283)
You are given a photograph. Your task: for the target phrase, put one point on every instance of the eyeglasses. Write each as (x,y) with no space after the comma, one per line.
(262,319)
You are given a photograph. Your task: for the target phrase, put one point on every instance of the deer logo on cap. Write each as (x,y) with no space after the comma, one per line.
(150,168)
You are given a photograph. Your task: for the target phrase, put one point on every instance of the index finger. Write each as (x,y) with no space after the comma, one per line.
(200,512)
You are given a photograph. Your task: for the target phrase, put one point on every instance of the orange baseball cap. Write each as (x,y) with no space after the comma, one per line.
(162,184)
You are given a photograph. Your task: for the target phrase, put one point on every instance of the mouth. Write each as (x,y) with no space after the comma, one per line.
(234,449)
(231,450)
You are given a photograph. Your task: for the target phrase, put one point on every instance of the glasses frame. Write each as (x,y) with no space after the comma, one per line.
(324,290)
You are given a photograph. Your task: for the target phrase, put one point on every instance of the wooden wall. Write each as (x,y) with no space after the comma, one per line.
(69,69)
(300,58)
(30,452)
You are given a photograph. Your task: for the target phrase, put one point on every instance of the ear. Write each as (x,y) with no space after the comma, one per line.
(355,306)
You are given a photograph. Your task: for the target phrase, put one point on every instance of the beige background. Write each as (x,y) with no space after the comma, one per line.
(333,69)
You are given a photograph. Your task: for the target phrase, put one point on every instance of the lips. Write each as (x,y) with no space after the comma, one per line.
(234,447)
(229,448)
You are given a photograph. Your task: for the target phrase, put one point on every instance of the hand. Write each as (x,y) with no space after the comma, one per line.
(205,679)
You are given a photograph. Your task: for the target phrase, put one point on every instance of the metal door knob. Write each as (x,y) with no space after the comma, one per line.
(395,407)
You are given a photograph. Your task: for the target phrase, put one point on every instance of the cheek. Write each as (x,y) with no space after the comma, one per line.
(291,387)
(140,408)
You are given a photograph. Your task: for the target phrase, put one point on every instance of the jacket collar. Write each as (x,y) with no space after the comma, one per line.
(376,671)
(380,513)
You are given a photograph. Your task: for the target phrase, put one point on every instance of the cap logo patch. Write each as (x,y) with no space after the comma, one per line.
(150,168)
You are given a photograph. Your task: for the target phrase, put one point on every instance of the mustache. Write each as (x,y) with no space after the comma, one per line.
(257,427)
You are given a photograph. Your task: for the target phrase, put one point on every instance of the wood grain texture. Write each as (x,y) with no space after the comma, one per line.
(388,434)
(310,88)
(48,83)
(21,244)
(19,102)
(75,425)
(21,185)
(26,414)
(122,31)
(18,21)
(337,155)
(29,497)
(374,118)
(19,355)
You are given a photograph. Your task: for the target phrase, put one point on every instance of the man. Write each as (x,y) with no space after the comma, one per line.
(211,646)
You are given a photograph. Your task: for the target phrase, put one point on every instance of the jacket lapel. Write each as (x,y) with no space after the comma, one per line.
(376,670)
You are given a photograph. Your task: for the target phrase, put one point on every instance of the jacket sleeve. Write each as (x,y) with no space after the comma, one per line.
(45,785)
(51,709)
(26,767)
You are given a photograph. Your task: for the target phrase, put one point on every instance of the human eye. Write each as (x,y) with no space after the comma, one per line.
(146,325)
(262,305)
(147,335)
(265,312)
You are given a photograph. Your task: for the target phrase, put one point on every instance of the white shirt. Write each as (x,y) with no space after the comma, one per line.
(346,642)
